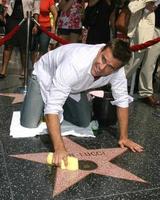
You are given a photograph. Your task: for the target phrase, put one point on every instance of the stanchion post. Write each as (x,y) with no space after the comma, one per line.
(27,53)
(23,89)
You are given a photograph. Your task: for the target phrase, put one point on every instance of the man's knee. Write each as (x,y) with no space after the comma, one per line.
(29,120)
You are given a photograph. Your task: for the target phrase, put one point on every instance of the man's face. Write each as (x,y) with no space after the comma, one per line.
(105,64)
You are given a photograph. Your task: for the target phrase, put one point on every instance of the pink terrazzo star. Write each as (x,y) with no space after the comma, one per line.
(102,157)
(18,98)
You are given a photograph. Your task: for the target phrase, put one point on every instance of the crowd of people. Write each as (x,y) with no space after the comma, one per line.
(62,76)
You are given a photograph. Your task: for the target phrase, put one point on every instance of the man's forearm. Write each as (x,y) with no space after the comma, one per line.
(53,125)
(122,114)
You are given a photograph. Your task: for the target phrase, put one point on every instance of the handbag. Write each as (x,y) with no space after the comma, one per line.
(122,20)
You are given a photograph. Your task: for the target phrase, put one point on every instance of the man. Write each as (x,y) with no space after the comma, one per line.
(142,21)
(15,13)
(148,66)
(70,70)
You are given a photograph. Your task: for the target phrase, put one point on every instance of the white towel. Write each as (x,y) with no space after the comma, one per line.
(18,131)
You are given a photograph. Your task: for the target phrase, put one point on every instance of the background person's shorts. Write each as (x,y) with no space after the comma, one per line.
(62,31)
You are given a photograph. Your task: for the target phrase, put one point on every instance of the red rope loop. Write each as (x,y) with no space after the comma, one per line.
(144,45)
(136,47)
(54,36)
(9,35)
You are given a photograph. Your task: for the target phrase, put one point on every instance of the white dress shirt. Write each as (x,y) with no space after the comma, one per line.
(67,70)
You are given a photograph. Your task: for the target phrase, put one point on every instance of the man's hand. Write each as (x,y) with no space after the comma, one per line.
(60,155)
(53,124)
(130,145)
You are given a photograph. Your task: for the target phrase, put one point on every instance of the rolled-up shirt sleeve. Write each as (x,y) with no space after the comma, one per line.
(119,89)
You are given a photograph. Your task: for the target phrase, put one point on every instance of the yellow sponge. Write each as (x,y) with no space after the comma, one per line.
(72,162)
(50,158)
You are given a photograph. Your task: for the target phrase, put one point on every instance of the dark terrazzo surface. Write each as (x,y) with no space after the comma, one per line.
(27,180)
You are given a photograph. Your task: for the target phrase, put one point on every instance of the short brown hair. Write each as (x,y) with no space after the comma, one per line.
(120,50)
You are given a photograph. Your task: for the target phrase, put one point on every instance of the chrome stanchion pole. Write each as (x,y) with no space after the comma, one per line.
(23,89)
(27,52)
(35,22)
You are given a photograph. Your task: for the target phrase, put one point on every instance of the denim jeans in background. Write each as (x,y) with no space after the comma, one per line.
(40,42)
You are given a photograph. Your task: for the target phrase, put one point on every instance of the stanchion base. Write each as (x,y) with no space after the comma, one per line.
(22,90)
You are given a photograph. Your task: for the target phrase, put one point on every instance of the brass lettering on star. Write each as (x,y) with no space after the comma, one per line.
(92,153)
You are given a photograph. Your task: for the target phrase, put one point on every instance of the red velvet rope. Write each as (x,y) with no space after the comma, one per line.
(54,36)
(136,47)
(149,43)
(9,35)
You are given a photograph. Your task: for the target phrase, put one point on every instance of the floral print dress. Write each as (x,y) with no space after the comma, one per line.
(71,19)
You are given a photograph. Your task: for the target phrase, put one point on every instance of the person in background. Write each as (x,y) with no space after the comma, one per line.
(120,5)
(47,7)
(3,12)
(17,10)
(98,18)
(69,23)
(60,80)
(146,91)
(52,43)
(142,21)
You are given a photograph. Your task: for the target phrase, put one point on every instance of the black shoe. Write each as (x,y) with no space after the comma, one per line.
(2,76)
